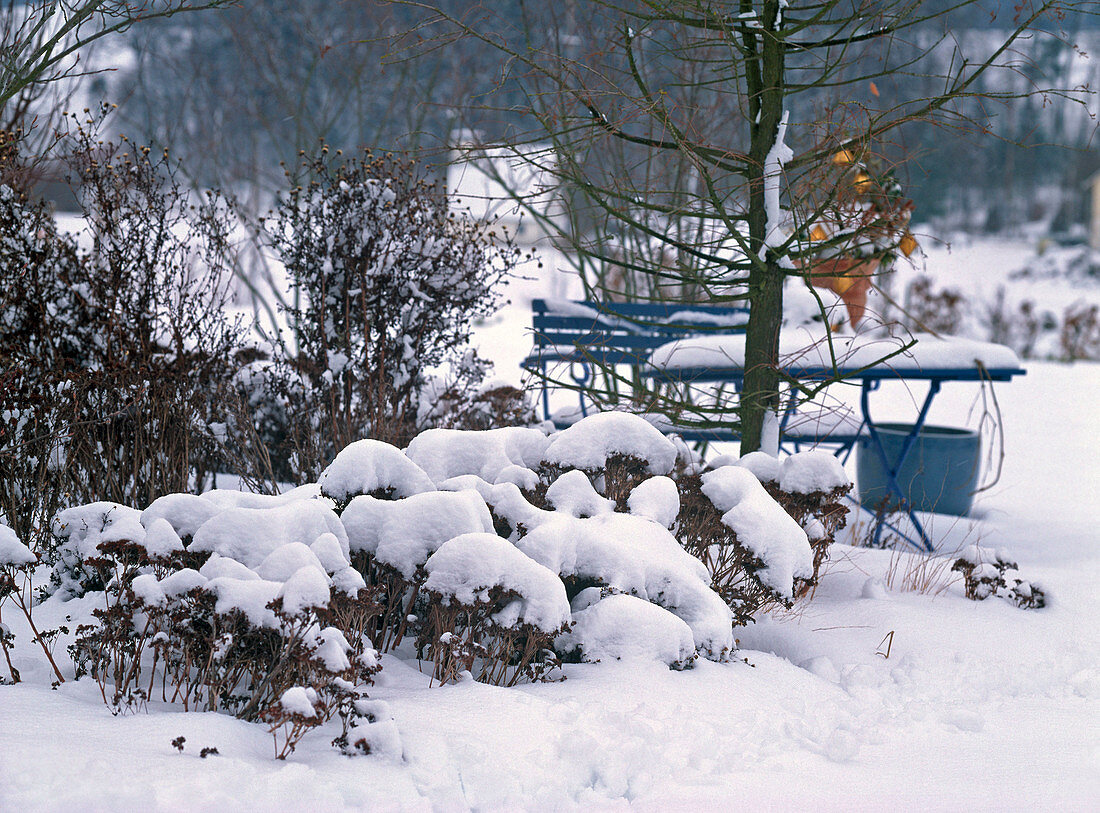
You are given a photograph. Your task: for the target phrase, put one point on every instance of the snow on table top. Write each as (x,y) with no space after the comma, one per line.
(809,349)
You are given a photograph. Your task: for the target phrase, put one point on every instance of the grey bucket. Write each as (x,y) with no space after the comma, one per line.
(940,474)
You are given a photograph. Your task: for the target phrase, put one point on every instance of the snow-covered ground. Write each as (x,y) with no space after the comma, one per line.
(886,689)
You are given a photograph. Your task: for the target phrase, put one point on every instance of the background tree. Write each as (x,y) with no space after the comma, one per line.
(710,133)
(46,41)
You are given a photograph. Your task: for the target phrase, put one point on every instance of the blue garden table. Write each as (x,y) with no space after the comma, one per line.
(868,360)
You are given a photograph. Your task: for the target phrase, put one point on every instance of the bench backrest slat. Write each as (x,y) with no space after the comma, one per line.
(595,326)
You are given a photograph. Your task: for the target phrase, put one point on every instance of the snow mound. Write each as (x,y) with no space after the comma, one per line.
(149,591)
(505,499)
(466,568)
(300,701)
(404,533)
(85,527)
(329,553)
(348,581)
(184,512)
(371,466)
(217,567)
(621,627)
(183,581)
(284,562)
(978,555)
(249,535)
(808,472)
(332,650)
(248,596)
(761,526)
(306,589)
(228,498)
(374,731)
(635,555)
(764,467)
(588,443)
(161,539)
(573,494)
(657,499)
(509,454)
(12,551)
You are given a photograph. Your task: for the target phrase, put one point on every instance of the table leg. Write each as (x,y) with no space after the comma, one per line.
(893,469)
(545,391)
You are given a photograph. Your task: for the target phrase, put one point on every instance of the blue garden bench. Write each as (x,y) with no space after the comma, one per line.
(579,338)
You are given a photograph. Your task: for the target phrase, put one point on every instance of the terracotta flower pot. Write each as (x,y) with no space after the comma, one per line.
(849,278)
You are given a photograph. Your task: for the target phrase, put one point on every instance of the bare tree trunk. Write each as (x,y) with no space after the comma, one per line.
(761,389)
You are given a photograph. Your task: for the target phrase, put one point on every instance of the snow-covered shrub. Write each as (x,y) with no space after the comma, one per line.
(390,284)
(933,311)
(1029,329)
(259,609)
(113,358)
(16,560)
(493,611)
(810,486)
(988,572)
(616,450)
(608,474)
(499,455)
(391,542)
(639,557)
(368,728)
(395,520)
(1080,338)
(493,406)
(373,468)
(618,626)
(564,524)
(78,567)
(754,551)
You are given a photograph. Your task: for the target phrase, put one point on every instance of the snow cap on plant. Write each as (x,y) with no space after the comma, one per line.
(375,468)
(589,443)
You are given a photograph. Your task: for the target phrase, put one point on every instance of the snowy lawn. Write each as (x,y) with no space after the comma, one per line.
(978,706)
